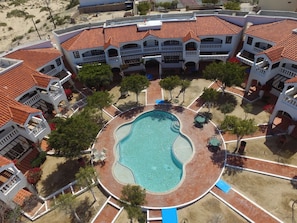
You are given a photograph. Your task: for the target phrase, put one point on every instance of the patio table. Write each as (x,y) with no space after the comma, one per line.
(214,142)
(200,119)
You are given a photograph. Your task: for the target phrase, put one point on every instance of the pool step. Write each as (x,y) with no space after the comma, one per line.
(175,126)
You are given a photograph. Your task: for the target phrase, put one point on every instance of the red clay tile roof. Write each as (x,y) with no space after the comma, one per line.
(21,196)
(35,58)
(274,53)
(20,79)
(90,38)
(202,26)
(286,48)
(292,80)
(11,110)
(4,161)
(274,32)
(190,36)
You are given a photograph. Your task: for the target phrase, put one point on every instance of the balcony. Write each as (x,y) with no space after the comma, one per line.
(131,51)
(288,73)
(36,126)
(245,59)
(33,100)
(222,57)
(191,53)
(291,101)
(172,48)
(151,49)
(210,46)
(6,139)
(8,184)
(52,72)
(261,71)
(95,58)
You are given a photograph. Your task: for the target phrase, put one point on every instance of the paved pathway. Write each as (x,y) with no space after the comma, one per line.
(241,204)
(262,166)
(248,209)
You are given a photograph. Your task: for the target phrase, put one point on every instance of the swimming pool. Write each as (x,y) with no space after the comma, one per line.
(151,152)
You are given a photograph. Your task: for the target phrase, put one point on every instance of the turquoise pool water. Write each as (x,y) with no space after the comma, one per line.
(146,148)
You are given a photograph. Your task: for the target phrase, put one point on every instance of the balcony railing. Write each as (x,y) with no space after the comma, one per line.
(8,138)
(172,48)
(222,57)
(191,53)
(261,70)
(55,94)
(36,128)
(94,58)
(9,184)
(288,73)
(52,72)
(210,45)
(290,101)
(132,51)
(151,49)
(31,101)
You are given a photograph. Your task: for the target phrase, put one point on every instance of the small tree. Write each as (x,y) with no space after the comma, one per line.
(228,73)
(143,7)
(68,204)
(133,196)
(85,178)
(214,2)
(239,127)
(169,83)
(232,5)
(95,75)
(247,109)
(135,83)
(100,100)
(210,96)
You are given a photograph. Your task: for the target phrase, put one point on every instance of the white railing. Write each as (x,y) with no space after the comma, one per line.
(94,58)
(210,46)
(214,57)
(65,79)
(55,94)
(261,71)
(290,100)
(151,49)
(52,72)
(35,130)
(245,60)
(191,53)
(172,48)
(9,184)
(8,138)
(125,52)
(31,101)
(288,73)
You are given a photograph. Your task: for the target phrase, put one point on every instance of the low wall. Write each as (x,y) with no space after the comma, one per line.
(102,8)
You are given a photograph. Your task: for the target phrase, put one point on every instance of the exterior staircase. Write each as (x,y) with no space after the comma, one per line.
(25,164)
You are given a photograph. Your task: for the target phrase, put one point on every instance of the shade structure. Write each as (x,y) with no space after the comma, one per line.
(169,215)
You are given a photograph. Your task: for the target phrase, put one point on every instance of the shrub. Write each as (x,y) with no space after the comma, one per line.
(39,160)
(3,24)
(17,38)
(37,21)
(34,175)
(31,30)
(227,108)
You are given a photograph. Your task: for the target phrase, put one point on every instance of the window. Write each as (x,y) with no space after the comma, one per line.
(171,43)
(171,59)
(58,61)
(76,54)
(294,66)
(249,40)
(228,39)
(275,65)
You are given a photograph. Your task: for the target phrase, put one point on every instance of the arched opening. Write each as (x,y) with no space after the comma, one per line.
(191,46)
(112,53)
(152,68)
(117,74)
(189,67)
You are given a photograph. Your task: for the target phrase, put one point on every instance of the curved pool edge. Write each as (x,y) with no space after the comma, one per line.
(177,198)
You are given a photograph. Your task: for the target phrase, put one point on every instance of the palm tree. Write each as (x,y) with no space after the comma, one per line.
(67,203)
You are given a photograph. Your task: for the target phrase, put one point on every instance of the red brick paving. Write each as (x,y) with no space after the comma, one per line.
(246,207)
(272,168)
(154,92)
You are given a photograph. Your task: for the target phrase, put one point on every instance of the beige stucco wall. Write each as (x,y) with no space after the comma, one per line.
(284,5)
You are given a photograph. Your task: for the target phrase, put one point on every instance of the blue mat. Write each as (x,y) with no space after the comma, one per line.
(169,215)
(159,101)
(223,186)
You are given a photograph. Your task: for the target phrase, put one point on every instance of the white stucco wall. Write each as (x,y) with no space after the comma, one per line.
(284,5)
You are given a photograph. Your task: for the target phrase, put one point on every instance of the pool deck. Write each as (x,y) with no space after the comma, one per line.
(201,173)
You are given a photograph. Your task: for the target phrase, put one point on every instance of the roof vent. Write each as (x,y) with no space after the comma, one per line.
(294,31)
(147,25)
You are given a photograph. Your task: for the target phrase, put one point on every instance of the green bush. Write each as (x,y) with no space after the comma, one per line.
(227,108)
(17,38)
(39,160)
(37,21)
(3,24)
